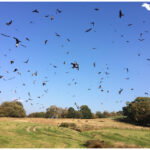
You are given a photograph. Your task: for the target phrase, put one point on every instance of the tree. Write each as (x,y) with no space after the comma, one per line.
(99,114)
(86,112)
(12,109)
(138,111)
(54,112)
(106,114)
(37,115)
(78,114)
(71,113)
(64,113)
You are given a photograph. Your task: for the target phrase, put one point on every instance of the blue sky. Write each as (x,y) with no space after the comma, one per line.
(75,18)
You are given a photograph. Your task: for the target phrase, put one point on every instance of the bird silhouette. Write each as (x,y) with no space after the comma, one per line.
(17,41)
(58,11)
(35,11)
(120,91)
(9,23)
(121,14)
(88,30)
(96,9)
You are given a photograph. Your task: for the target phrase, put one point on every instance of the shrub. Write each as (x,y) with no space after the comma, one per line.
(68,125)
(94,144)
(72,126)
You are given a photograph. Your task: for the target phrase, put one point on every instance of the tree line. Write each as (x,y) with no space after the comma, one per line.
(137,111)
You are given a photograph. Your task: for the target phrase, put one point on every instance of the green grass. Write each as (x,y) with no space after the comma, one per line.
(35,135)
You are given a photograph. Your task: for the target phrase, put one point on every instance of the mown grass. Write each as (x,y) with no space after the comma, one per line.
(29,134)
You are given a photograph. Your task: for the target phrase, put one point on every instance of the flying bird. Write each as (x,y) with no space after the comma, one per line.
(23,45)
(9,23)
(29,94)
(46,16)
(58,10)
(121,14)
(68,39)
(120,91)
(17,41)
(92,23)
(148,59)
(26,61)
(27,39)
(45,41)
(11,62)
(23,84)
(5,35)
(19,73)
(100,86)
(94,64)
(96,9)
(127,70)
(107,73)
(141,34)
(75,65)
(141,40)
(129,24)
(15,70)
(88,30)
(54,66)
(52,18)
(44,83)
(35,73)
(35,11)
(57,34)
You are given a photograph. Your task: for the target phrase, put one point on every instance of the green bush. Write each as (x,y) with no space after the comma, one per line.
(72,126)
(68,125)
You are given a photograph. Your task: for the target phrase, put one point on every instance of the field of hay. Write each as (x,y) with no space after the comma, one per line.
(46,133)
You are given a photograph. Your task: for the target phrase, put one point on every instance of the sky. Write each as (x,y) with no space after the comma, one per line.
(116,47)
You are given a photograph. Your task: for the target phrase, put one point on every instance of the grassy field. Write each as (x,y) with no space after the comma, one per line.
(46,133)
